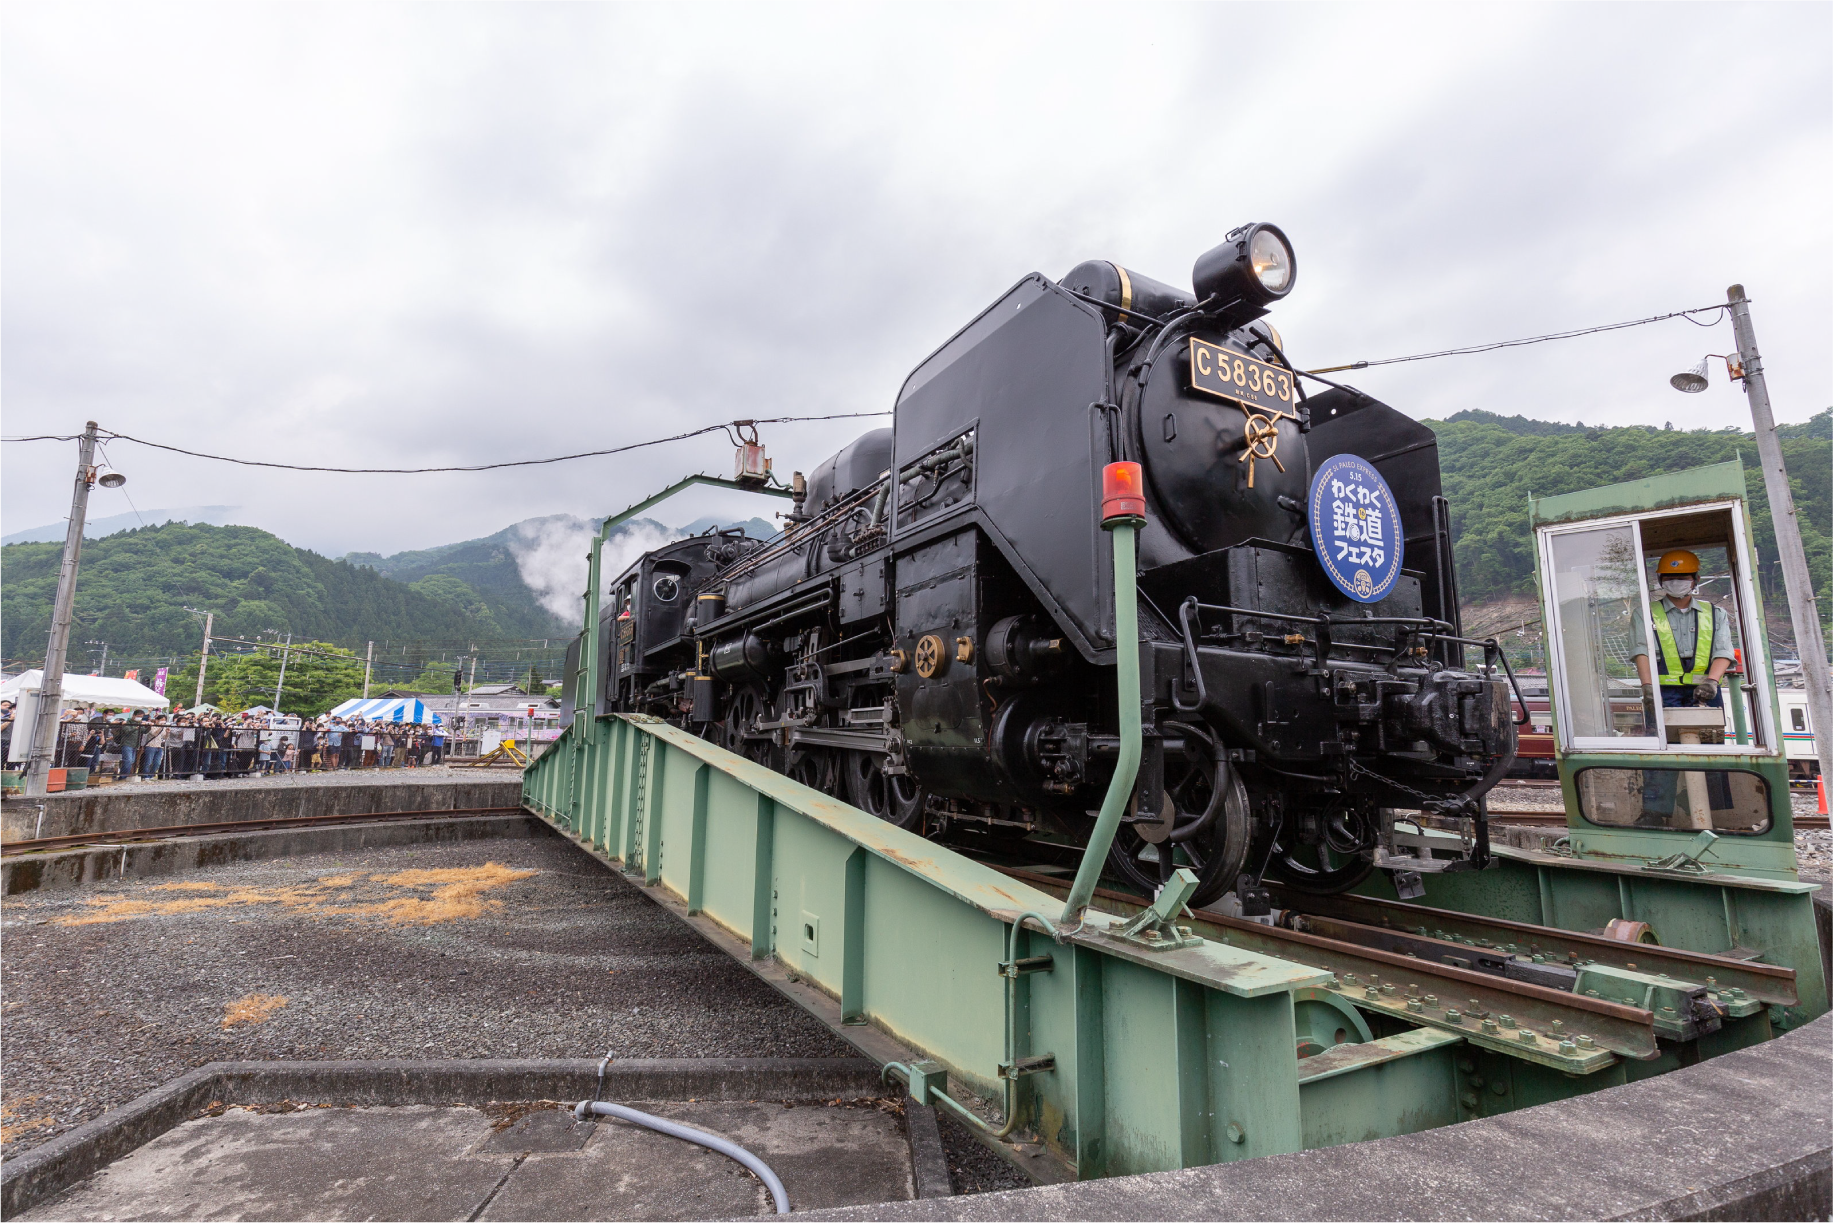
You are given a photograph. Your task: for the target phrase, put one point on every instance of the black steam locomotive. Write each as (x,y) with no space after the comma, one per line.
(932,635)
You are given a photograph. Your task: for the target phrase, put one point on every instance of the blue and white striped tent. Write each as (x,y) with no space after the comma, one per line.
(387,709)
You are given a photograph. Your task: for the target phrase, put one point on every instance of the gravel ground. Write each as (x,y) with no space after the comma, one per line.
(1526,798)
(1814,855)
(971,1167)
(490,949)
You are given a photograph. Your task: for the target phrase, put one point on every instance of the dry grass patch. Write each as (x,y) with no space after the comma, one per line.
(12,1126)
(404,898)
(255,1008)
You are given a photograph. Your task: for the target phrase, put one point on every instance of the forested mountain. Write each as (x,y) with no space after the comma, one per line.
(133,589)
(1492,463)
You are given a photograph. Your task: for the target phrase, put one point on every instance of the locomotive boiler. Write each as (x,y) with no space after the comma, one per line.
(932,635)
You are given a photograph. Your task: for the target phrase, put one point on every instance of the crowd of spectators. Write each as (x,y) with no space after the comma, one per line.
(142,745)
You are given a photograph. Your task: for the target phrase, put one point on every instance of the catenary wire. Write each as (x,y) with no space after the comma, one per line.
(1536,339)
(486,466)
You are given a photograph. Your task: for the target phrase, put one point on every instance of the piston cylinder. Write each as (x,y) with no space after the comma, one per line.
(746,658)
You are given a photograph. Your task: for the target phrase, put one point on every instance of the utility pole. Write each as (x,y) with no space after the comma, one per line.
(473,685)
(1802,611)
(103,668)
(284,650)
(369,658)
(203,660)
(51,687)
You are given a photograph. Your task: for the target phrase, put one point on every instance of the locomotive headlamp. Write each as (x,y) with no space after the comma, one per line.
(1271,260)
(1254,265)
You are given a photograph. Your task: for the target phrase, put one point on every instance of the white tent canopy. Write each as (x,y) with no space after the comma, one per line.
(105,690)
(387,709)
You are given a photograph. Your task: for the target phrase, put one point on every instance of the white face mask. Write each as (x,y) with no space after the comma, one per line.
(1678,588)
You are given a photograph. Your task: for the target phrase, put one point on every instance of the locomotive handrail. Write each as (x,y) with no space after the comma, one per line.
(1328,620)
(1488,645)
(792,538)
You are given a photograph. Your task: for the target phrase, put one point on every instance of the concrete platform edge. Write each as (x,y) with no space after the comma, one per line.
(928,1159)
(158,805)
(98,864)
(48,1170)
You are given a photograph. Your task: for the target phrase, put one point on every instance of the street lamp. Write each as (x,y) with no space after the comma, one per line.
(51,685)
(1693,380)
(1746,365)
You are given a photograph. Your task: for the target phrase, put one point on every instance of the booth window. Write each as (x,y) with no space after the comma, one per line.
(1724,800)
(1626,649)
(1597,597)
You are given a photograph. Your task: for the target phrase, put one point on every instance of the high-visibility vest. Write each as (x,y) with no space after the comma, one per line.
(1703,616)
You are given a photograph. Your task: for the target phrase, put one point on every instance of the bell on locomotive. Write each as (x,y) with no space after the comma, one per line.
(932,635)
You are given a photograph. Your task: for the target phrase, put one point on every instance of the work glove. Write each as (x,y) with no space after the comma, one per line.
(1705,689)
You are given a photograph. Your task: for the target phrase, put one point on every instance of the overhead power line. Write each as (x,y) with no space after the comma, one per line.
(1533,339)
(486,466)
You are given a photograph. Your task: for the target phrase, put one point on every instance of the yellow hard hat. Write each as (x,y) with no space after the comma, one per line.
(1677,561)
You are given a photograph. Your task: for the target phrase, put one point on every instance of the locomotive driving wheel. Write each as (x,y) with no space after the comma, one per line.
(817,769)
(741,714)
(1336,862)
(893,797)
(1207,832)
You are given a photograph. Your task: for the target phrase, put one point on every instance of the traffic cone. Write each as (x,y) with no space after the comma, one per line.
(1820,784)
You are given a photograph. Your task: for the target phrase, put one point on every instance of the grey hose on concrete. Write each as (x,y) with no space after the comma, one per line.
(713,1142)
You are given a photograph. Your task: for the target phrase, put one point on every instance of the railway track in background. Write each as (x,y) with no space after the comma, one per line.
(125,835)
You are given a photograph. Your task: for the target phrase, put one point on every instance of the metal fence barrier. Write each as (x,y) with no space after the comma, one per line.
(164,750)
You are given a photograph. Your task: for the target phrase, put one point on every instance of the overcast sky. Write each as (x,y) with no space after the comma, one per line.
(375,235)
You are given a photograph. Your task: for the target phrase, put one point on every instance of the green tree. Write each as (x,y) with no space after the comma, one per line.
(318,676)
(1491,464)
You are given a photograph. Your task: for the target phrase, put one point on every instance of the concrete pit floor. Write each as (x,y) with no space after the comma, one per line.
(502,949)
(428,1162)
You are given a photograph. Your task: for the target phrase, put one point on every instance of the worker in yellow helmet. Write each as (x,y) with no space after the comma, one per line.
(1692,636)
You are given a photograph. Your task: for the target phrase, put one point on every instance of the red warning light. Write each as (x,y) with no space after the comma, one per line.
(1123,492)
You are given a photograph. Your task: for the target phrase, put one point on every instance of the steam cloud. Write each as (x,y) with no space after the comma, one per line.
(550,554)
